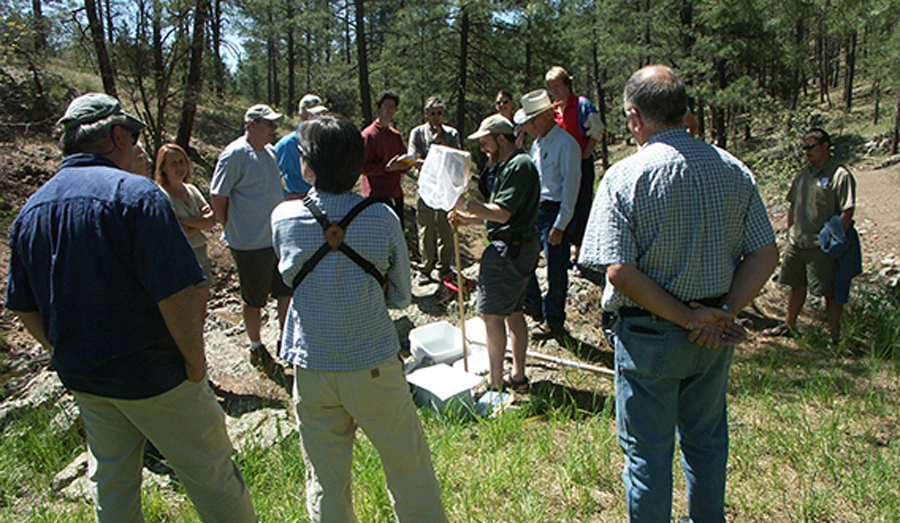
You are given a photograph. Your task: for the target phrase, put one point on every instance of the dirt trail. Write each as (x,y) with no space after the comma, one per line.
(878,212)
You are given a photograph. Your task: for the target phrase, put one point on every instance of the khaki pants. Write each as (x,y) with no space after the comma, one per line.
(187,425)
(434,226)
(329,406)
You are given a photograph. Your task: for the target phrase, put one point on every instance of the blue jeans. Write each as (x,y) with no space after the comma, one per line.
(666,383)
(553,305)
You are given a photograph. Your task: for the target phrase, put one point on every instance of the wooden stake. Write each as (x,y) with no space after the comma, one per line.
(461,289)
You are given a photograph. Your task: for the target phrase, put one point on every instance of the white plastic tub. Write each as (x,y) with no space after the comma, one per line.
(438,342)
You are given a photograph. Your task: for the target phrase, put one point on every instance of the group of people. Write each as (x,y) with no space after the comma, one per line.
(679,228)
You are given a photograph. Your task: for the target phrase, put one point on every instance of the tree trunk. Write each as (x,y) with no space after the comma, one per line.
(365,95)
(718,113)
(40,26)
(600,77)
(159,75)
(107,74)
(895,135)
(876,94)
(291,53)
(274,94)
(110,37)
(347,41)
(217,48)
(850,60)
(824,71)
(462,77)
(529,52)
(194,82)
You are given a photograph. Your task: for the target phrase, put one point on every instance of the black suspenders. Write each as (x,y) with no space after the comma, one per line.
(334,241)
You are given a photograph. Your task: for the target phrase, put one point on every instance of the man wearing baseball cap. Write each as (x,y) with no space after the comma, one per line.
(245,188)
(509,260)
(102,275)
(288,148)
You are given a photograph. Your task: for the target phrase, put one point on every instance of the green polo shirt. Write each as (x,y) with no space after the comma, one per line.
(817,194)
(517,189)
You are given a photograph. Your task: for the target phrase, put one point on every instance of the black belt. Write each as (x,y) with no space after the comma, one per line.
(510,239)
(637,312)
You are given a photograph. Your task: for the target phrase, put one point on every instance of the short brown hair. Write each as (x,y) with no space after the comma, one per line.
(558,73)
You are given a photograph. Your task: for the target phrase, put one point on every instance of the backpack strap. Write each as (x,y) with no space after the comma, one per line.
(334,241)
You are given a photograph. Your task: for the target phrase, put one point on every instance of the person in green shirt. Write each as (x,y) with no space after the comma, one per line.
(512,255)
(821,190)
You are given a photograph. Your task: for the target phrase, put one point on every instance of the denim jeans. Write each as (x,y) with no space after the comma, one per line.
(553,305)
(664,384)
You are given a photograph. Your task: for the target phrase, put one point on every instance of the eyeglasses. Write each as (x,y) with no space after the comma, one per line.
(135,136)
(809,146)
(501,102)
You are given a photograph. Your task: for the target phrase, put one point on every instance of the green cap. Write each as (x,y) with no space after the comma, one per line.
(493,124)
(93,107)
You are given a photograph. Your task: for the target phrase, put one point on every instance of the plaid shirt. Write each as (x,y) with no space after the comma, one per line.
(338,318)
(684,212)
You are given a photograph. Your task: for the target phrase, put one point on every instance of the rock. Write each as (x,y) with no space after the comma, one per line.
(77,468)
(43,389)
(78,490)
(67,416)
(889,162)
(263,427)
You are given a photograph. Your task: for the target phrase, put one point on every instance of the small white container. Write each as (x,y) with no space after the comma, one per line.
(439,342)
(443,388)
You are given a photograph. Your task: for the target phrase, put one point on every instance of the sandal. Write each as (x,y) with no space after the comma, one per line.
(780,330)
(519,385)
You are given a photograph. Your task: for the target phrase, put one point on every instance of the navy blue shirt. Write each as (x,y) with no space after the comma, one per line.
(93,251)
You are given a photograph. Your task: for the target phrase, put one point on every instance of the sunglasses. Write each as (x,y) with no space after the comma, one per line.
(501,102)
(135,135)
(810,147)
(436,113)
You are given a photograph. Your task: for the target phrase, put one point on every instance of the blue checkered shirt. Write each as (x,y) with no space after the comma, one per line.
(338,318)
(681,210)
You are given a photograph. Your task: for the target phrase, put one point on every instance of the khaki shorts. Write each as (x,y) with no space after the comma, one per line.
(808,268)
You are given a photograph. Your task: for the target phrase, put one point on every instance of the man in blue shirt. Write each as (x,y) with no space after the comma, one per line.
(101,274)
(288,151)
(686,243)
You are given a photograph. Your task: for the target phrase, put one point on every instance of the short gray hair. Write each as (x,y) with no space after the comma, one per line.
(89,137)
(658,93)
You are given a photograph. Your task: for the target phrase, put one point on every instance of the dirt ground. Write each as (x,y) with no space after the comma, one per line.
(24,167)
